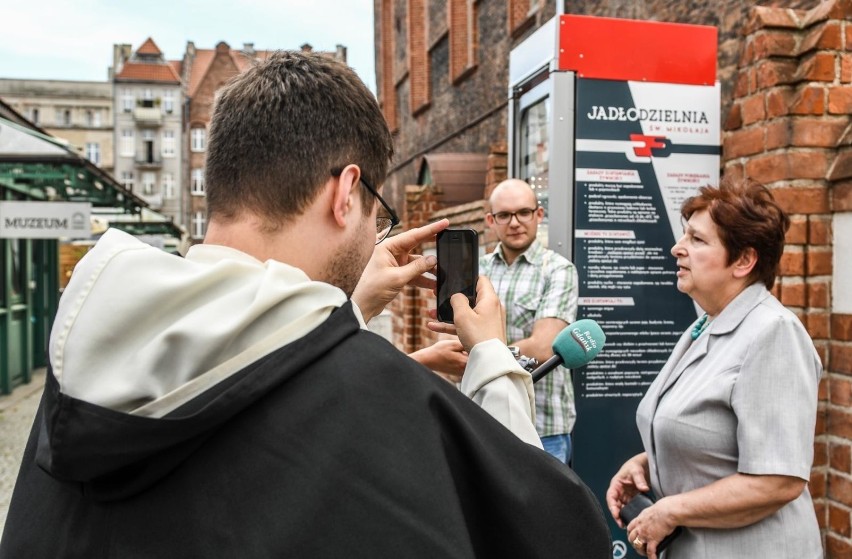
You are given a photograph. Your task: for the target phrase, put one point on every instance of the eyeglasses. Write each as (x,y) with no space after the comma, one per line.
(384,224)
(524,216)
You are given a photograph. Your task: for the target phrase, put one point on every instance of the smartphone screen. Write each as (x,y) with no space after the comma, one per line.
(458,268)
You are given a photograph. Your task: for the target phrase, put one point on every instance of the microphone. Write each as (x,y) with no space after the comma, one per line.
(575,346)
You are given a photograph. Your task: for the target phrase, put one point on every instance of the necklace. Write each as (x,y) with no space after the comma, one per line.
(699,327)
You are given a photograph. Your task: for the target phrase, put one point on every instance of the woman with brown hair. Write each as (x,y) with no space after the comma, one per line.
(728,424)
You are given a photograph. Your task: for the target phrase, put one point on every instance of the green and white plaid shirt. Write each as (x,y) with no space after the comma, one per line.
(539,284)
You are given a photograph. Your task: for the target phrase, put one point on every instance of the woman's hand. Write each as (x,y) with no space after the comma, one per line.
(647,530)
(632,478)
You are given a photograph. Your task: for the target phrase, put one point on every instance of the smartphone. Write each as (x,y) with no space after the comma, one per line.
(458,268)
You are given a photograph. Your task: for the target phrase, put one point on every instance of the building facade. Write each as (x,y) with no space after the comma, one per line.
(785,72)
(204,72)
(77,112)
(148,100)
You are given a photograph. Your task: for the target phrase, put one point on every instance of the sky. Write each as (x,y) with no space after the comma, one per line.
(62,40)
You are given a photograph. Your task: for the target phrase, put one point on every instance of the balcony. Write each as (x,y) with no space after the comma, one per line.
(148,161)
(148,117)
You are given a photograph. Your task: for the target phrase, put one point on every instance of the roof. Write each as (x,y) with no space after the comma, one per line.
(204,58)
(460,177)
(148,72)
(149,47)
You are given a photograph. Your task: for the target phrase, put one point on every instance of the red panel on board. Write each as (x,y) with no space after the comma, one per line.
(636,50)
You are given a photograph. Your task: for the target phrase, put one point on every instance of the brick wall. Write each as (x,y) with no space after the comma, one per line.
(788,128)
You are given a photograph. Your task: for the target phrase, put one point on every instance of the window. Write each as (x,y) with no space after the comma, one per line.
(147,98)
(66,117)
(197,182)
(168,185)
(96,118)
(93,152)
(59,115)
(198,223)
(168,102)
(149,183)
(463,38)
(90,119)
(126,100)
(34,115)
(199,138)
(128,142)
(127,180)
(168,143)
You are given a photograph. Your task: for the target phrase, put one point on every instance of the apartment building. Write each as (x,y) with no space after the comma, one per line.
(76,112)
(204,72)
(148,100)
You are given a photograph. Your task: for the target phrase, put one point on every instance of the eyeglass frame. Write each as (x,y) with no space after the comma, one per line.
(515,215)
(394,219)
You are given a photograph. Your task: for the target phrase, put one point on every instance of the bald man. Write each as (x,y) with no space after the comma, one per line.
(538,287)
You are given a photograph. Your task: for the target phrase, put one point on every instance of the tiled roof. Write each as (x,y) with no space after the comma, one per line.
(204,58)
(177,65)
(138,71)
(149,47)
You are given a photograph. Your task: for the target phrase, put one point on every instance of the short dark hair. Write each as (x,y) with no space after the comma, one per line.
(280,128)
(747,216)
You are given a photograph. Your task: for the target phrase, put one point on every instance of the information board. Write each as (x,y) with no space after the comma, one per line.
(641,149)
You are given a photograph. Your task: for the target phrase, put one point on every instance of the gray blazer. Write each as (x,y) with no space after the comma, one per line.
(740,398)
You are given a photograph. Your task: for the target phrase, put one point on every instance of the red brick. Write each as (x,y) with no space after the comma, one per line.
(840,425)
(808,101)
(841,168)
(735,118)
(840,457)
(819,510)
(818,483)
(778,134)
(841,197)
(837,548)
(802,200)
(838,520)
(797,234)
(792,263)
(840,100)
(841,358)
(822,394)
(820,454)
(824,37)
(819,261)
(819,67)
(819,230)
(841,327)
(742,86)
(770,73)
(762,17)
(779,101)
(818,292)
(753,109)
(845,68)
(840,389)
(787,166)
(817,325)
(793,293)
(744,142)
(818,132)
(773,43)
(840,489)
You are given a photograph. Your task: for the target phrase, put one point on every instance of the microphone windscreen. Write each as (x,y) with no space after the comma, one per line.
(579,343)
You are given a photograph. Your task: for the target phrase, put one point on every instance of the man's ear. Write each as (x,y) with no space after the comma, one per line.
(345,192)
(539,214)
(489,219)
(745,263)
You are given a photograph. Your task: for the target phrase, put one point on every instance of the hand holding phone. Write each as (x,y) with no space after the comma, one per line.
(458,268)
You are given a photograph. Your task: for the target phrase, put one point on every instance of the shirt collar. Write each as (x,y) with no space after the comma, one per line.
(533,254)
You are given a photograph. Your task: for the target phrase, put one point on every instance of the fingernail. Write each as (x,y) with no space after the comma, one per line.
(431,260)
